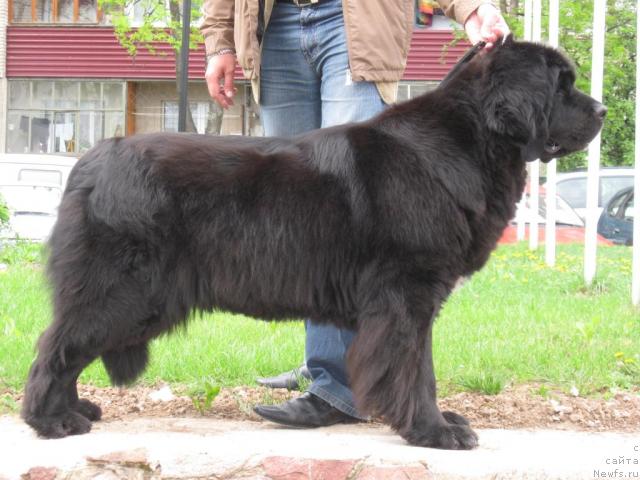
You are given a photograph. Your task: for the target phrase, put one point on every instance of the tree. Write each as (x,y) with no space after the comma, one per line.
(161,23)
(576,25)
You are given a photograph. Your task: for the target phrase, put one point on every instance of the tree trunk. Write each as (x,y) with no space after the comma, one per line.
(190,125)
(174,8)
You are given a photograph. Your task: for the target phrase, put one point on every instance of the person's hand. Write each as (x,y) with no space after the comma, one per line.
(219,76)
(486,24)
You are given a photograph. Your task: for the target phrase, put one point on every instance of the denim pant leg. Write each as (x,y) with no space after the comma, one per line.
(290,101)
(306,84)
(343,101)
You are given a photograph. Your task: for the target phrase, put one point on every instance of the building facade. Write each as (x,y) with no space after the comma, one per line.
(66,82)
(4,21)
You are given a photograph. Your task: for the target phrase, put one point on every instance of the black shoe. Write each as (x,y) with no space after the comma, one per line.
(306,411)
(289,380)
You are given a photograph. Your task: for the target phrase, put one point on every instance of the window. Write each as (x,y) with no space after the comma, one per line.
(629,211)
(614,206)
(54,11)
(47,116)
(574,192)
(409,90)
(207,117)
(33,175)
(610,185)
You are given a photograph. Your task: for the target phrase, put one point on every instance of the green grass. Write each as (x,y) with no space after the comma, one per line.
(483,383)
(517,321)
(520,321)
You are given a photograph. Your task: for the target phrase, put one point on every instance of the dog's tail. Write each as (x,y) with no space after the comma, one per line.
(125,365)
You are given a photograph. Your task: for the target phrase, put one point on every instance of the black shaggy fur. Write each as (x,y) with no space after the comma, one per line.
(366,226)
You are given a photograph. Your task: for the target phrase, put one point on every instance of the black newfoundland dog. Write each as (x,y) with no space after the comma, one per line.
(367,226)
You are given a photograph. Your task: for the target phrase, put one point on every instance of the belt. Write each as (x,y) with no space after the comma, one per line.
(299,3)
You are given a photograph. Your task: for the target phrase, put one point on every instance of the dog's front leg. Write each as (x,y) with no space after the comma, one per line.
(391,367)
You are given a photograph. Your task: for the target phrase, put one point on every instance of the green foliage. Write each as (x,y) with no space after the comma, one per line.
(4,212)
(482,383)
(628,365)
(161,23)
(543,391)
(203,396)
(8,404)
(576,26)
(22,252)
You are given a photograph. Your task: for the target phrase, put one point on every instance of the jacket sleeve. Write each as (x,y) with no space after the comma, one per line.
(459,10)
(217,25)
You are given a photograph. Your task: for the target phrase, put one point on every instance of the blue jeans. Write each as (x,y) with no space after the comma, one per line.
(305,83)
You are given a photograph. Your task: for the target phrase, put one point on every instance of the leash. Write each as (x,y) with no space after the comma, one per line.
(466,58)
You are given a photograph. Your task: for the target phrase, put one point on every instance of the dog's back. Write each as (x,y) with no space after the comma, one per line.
(197,222)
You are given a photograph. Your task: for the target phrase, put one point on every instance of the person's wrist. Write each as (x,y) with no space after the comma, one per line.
(483,6)
(222,51)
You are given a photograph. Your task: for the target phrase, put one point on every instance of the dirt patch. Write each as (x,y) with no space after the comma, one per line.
(515,407)
(520,407)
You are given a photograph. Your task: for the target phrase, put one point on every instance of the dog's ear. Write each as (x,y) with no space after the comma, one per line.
(517,97)
(506,41)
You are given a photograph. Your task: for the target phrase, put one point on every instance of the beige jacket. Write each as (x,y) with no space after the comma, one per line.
(378,35)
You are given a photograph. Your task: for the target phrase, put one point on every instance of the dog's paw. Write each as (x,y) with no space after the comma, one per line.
(455,418)
(445,436)
(88,409)
(59,426)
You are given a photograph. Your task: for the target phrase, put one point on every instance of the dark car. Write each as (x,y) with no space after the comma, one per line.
(616,220)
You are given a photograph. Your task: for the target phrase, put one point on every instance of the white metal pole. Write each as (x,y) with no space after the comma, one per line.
(554,23)
(534,203)
(534,177)
(536,22)
(597,68)
(635,275)
(550,231)
(528,9)
(521,220)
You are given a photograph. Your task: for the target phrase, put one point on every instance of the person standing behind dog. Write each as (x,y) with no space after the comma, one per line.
(313,64)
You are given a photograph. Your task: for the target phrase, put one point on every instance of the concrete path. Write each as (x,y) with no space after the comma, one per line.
(159,448)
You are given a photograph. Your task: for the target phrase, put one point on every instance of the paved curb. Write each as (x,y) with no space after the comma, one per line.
(181,448)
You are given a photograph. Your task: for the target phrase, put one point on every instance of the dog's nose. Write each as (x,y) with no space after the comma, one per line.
(600,110)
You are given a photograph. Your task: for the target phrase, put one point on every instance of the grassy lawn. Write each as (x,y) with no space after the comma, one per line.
(517,321)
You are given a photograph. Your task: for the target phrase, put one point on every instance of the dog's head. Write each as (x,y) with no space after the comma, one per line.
(529,98)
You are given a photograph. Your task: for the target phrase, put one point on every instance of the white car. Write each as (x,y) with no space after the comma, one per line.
(572,187)
(35,168)
(32,186)
(565,215)
(33,210)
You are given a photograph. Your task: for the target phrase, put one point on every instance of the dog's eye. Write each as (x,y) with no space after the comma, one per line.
(564,86)
(565,82)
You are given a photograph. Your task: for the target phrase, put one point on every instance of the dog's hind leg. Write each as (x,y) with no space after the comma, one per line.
(82,330)
(123,365)
(84,407)
(50,403)
(391,369)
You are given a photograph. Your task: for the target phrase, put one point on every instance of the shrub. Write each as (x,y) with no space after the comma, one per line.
(4,212)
